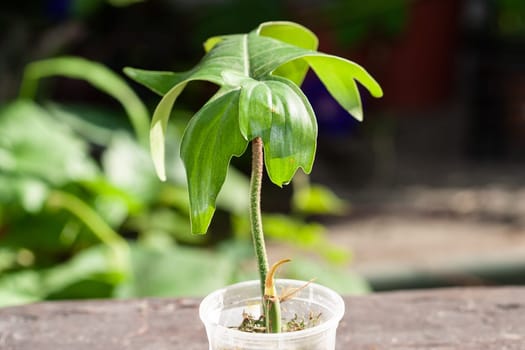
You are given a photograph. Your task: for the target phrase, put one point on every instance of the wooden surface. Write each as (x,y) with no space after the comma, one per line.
(446,319)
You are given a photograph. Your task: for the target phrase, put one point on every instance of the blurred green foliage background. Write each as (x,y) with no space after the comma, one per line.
(83,215)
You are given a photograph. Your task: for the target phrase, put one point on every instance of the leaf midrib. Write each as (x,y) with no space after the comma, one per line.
(246,56)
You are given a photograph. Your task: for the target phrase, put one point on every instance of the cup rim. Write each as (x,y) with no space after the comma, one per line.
(332,322)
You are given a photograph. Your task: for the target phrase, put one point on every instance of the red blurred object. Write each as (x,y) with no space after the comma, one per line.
(418,69)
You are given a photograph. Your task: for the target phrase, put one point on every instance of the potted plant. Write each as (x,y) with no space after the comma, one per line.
(259,102)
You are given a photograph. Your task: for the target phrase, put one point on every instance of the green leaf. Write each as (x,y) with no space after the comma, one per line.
(40,233)
(211,42)
(291,141)
(309,236)
(294,34)
(317,199)
(211,139)
(335,73)
(93,123)
(277,111)
(255,109)
(97,75)
(93,264)
(128,166)
(289,32)
(20,288)
(26,151)
(159,82)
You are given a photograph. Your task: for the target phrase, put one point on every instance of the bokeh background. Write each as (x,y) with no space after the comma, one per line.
(428,191)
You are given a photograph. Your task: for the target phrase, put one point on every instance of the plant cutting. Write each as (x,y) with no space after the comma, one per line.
(258,102)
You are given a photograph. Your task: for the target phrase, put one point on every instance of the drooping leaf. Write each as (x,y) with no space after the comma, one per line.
(277,111)
(210,141)
(334,72)
(290,143)
(255,100)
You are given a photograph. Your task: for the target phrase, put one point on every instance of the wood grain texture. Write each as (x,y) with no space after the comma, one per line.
(441,319)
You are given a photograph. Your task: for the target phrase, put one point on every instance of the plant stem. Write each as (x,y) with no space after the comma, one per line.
(255,210)
(272,301)
(269,298)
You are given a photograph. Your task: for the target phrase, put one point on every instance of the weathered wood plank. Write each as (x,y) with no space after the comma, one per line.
(447,319)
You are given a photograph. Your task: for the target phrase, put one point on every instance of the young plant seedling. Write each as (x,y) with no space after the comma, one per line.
(259,102)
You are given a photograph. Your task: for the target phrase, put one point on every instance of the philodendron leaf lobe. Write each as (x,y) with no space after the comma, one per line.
(211,139)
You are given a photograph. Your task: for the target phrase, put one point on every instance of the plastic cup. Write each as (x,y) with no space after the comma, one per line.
(222,312)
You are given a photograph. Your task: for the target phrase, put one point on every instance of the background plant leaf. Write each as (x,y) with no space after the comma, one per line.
(339,279)
(171,272)
(25,133)
(97,75)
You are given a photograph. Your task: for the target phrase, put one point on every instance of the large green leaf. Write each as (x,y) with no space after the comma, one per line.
(258,74)
(211,139)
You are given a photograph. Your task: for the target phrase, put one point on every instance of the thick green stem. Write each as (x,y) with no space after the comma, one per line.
(270,301)
(255,210)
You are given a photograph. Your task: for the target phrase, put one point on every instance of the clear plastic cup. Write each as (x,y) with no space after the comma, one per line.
(222,311)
